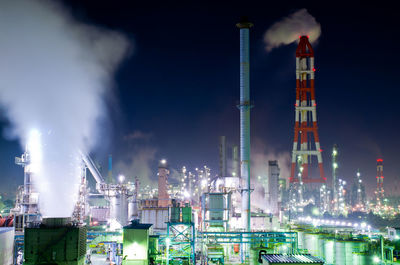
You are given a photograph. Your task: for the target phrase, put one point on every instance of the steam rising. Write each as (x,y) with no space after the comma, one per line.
(54,75)
(260,155)
(290,28)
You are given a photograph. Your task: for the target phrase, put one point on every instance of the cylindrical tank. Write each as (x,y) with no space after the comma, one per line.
(119,208)
(311,243)
(361,259)
(344,252)
(300,240)
(133,210)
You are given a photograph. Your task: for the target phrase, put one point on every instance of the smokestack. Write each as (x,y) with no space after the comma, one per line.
(222,156)
(273,187)
(235,161)
(163,173)
(244,106)
(379,181)
(110,176)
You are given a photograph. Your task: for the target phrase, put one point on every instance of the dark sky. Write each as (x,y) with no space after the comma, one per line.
(180,86)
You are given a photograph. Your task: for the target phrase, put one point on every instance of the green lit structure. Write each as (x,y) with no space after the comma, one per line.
(180,241)
(55,241)
(136,244)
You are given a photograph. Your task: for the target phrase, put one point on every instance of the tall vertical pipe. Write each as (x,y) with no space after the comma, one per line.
(235,161)
(222,156)
(244,106)
(334,179)
(110,176)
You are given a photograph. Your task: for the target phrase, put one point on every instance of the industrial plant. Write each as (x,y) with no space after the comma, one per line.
(205,217)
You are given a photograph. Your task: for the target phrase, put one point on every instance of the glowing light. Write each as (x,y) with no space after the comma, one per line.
(186,194)
(203,183)
(121,178)
(376,259)
(163,161)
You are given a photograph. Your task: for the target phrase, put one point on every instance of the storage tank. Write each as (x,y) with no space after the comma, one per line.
(361,259)
(311,243)
(6,245)
(344,252)
(55,241)
(329,251)
(300,240)
(119,208)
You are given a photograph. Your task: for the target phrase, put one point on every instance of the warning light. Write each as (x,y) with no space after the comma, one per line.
(314,69)
(379,160)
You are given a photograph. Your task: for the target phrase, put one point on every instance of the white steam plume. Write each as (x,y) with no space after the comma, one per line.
(138,163)
(54,75)
(260,155)
(290,28)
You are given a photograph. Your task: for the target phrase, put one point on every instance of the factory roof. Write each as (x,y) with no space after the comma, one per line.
(136,225)
(291,259)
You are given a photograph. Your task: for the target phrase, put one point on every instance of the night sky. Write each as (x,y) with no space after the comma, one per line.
(178,90)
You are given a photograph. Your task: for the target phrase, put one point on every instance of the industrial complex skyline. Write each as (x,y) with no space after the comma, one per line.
(178,90)
(163,133)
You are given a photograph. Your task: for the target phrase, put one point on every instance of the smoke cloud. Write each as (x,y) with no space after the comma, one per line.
(54,75)
(260,155)
(290,28)
(139,163)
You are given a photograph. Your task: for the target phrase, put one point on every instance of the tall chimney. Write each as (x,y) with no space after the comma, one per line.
(244,106)
(163,173)
(235,161)
(110,176)
(380,195)
(222,156)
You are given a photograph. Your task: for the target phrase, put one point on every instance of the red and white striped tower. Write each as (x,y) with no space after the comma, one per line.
(379,181)
(306,117)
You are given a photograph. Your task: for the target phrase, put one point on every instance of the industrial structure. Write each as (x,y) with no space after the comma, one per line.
(305,118)
(244,106)
(272,196)
(205,218)
(380,192)
(358,196)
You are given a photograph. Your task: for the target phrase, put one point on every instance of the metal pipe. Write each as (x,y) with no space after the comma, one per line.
(92,168)
(235,159)
(110,175)
(222,156)
(244,106)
